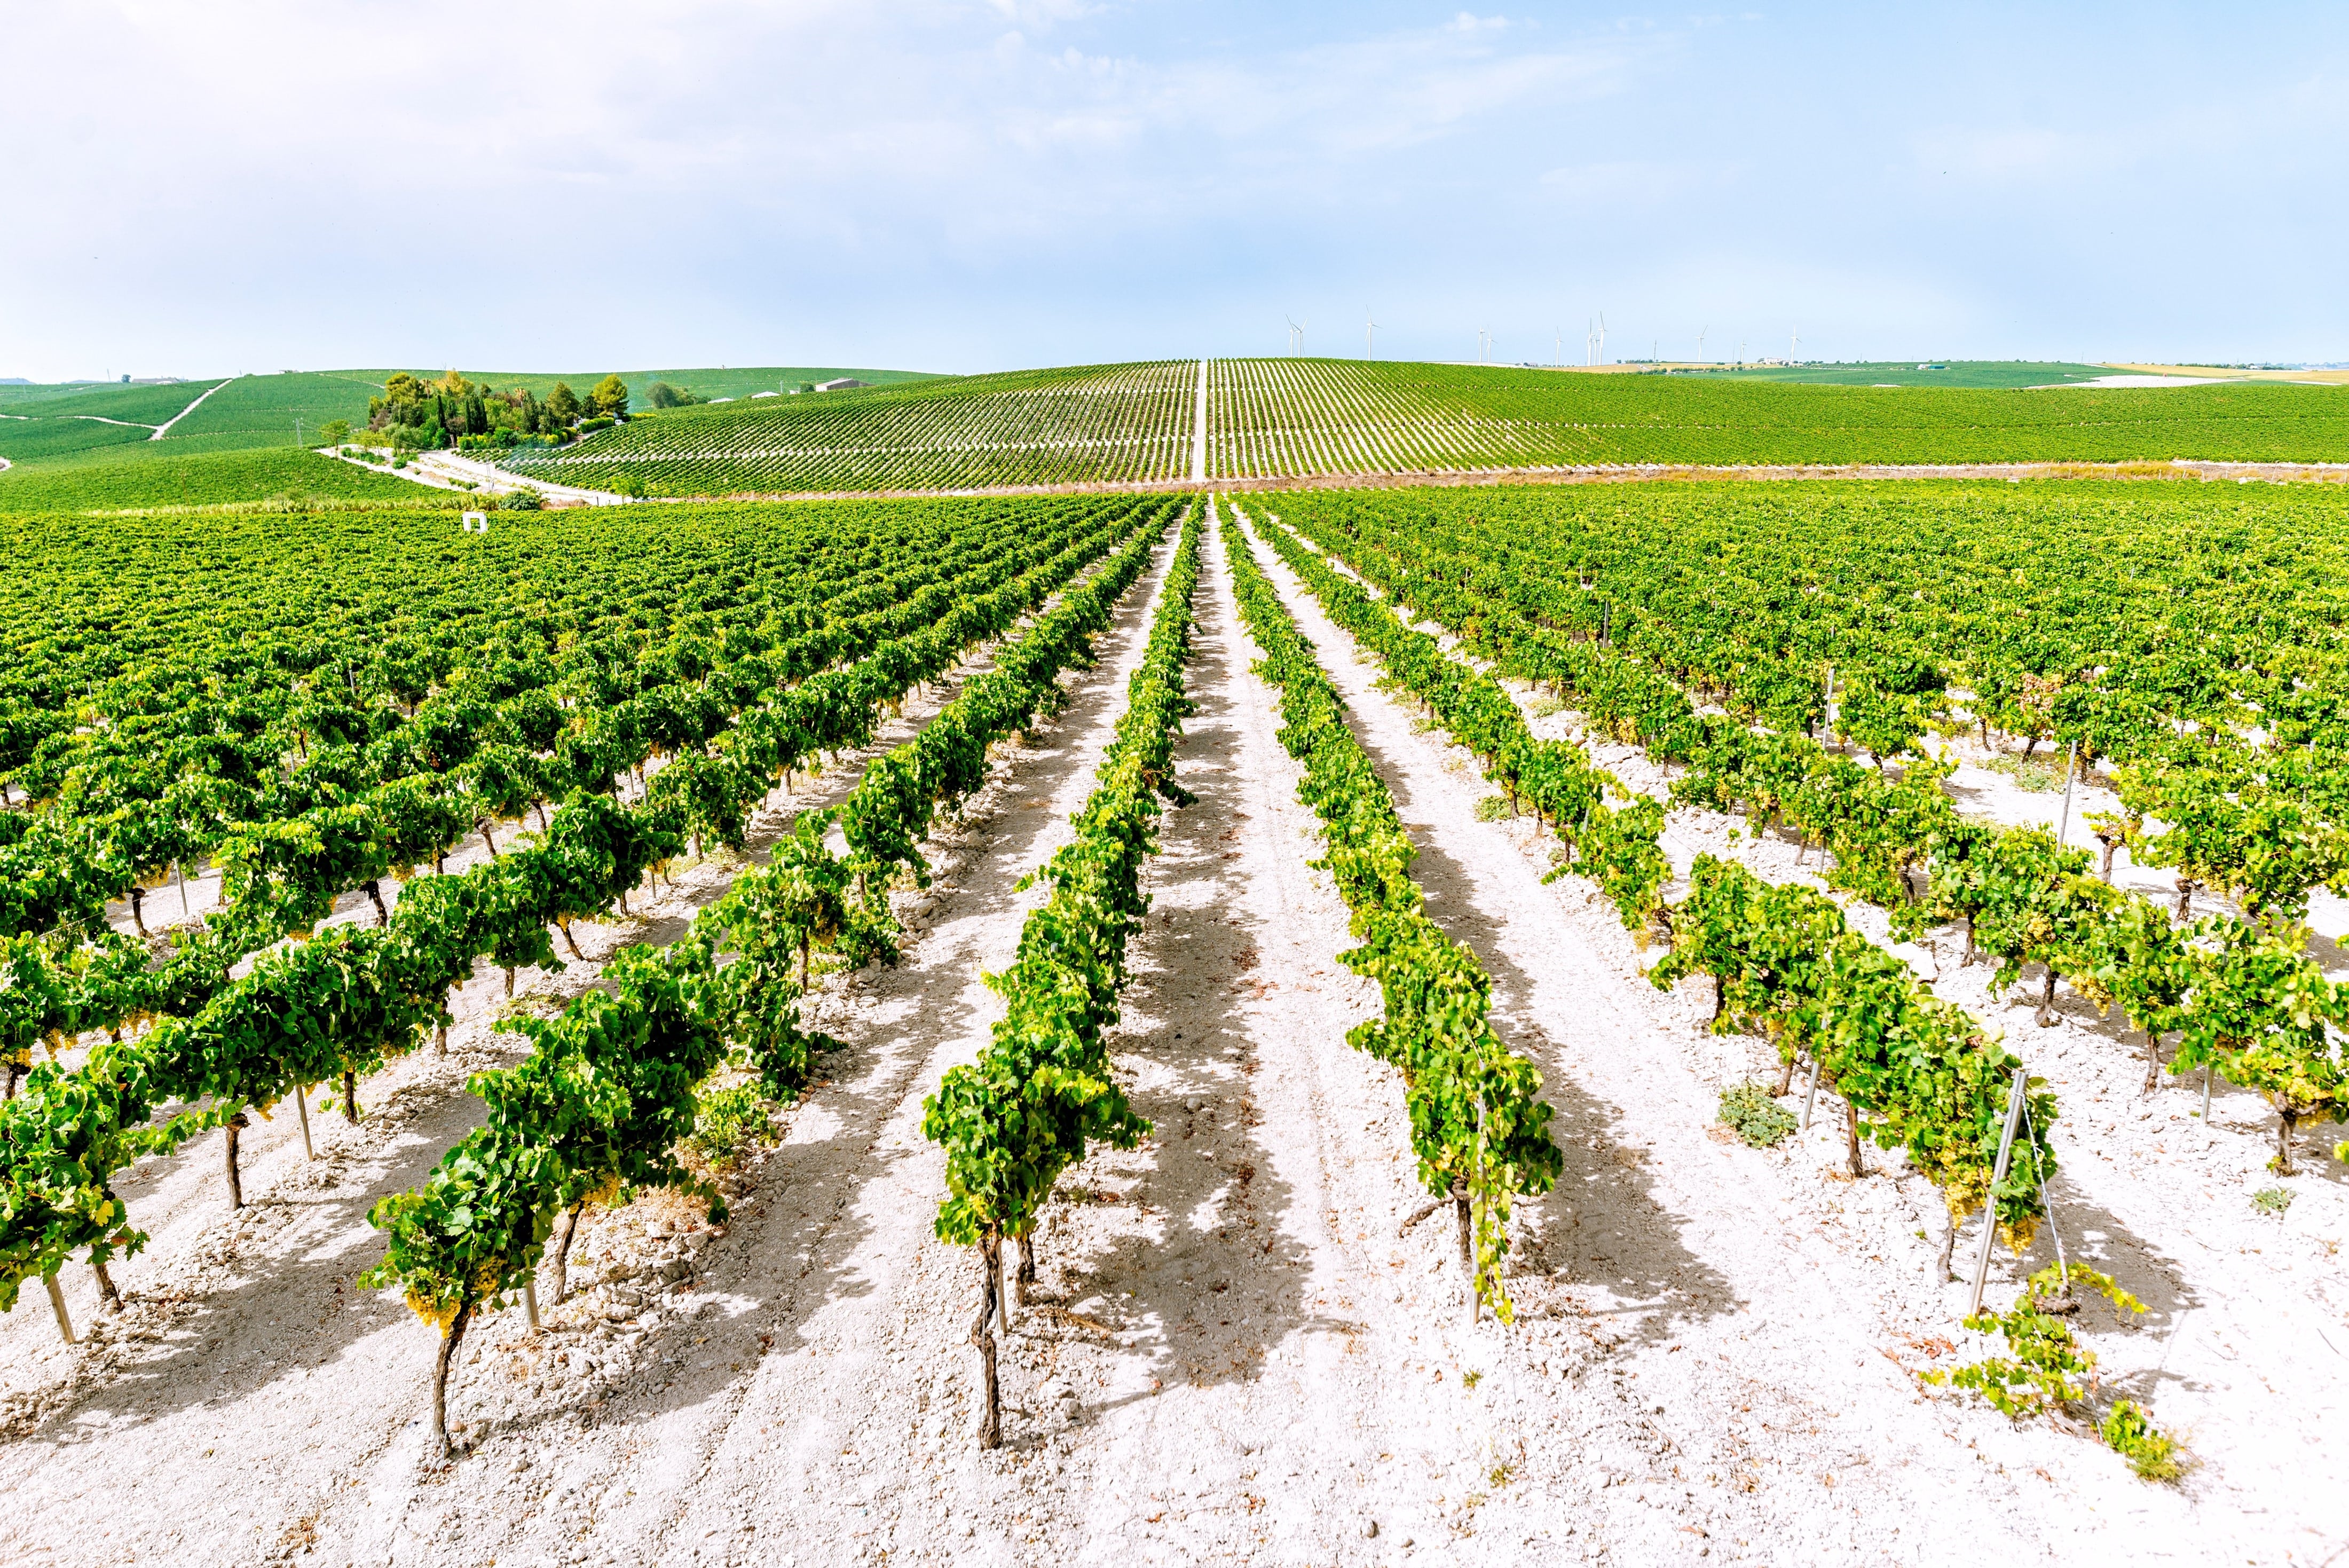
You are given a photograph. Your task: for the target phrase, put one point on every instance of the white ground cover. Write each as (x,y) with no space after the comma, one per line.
(1231,1355)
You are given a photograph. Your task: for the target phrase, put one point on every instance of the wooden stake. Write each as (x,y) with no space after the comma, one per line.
(530,1302)
(1811,1095)
(302,1103)
(57,1305)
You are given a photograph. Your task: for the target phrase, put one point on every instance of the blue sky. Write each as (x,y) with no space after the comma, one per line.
(964,186)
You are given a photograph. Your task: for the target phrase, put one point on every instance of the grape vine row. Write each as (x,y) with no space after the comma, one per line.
(1043,1090)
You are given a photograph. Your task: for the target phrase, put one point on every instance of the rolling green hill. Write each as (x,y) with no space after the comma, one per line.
(1978,374)
(46,422)
(167,473)
(1091,423)
(79,424)
(1135,423)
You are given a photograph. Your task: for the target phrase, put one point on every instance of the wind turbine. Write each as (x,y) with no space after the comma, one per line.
(1295,337)
(1794,337)
(1602,337)
(1561,348)
(1369,335)
(1700,341)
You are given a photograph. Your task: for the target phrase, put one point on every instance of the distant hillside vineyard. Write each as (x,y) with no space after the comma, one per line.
(1105,423)
(1140,423)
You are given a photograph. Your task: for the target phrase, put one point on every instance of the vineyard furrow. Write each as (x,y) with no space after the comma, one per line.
(845,1216)
(1693,1236)
(2238,989)
(214,1113)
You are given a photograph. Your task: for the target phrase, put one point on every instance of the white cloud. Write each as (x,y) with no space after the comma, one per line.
(281,182)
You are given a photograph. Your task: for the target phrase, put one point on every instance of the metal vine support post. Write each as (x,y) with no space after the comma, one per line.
(1990,1201)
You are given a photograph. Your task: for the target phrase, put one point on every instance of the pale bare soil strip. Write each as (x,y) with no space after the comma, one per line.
(239,1327)
(165,428)
(1230,1354)
(1778,1309)
(2242,1302)
(1602,473)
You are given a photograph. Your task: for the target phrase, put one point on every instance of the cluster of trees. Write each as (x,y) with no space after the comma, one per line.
(453,411)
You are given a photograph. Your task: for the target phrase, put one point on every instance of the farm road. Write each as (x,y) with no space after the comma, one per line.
(165,428)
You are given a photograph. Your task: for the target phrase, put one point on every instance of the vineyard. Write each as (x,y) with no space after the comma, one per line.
(1269,418)
(1519,1025)
(88,448)
(1101,424)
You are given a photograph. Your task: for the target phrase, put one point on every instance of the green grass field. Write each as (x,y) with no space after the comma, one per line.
(1979,374)
(166,474)
(57,421)
(45,438)
(36,441)
(144,405)
(261,411)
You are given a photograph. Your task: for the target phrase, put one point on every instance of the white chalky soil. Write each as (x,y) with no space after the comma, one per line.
(1230,1356)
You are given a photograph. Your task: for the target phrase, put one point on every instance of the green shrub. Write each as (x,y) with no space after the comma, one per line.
(627,484)
(2273,1200)
(524,499)
(1493,809)
(2031,772)
(2045,1364)
(2128,1432)
(724,1119)
(1753,1116)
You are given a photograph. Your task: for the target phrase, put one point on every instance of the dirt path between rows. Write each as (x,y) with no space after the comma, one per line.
(1232,1355)
(1773,1310)
(2240,1299)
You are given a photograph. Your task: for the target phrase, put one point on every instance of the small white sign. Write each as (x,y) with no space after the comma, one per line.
(477,522)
